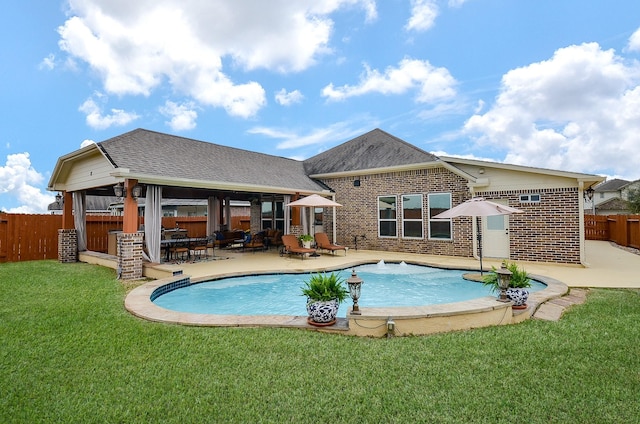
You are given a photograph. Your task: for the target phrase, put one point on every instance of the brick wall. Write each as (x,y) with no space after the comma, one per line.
(548,231)
(358,216)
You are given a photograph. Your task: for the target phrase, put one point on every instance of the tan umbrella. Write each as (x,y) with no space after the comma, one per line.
(477,207)
(314,201)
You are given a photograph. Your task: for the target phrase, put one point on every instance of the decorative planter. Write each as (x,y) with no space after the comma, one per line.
(518,296)
(306,244)
(322,312)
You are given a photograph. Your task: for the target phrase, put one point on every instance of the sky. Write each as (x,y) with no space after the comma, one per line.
(543,83)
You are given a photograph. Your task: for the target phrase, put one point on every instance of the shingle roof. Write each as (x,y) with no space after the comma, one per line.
(611,185)
(614,204)
(375,149)
(153,153)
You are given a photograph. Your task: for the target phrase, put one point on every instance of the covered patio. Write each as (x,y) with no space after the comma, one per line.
(153,166)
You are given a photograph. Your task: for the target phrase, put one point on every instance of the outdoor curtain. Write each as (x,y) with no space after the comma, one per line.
(80,218)
(153,221)
(287,213)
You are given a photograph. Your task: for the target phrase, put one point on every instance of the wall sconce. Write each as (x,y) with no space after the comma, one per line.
(355,284)
(504,278)
(59,198)
(588,194)
(136,191)
(391,327)
(121,193)
(118,190)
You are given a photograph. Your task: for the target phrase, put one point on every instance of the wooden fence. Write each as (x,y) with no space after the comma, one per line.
(35,237)
(623,230)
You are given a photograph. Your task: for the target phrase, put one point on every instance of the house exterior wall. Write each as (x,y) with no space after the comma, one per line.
(548,231)
(92,171)
(359,215)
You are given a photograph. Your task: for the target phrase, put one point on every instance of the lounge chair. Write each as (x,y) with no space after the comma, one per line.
(322,242)
(291,245)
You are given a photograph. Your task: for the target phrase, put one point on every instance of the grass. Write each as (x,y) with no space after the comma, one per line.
(71,353)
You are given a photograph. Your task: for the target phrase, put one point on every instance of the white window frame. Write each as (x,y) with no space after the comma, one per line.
(529,198)
(380,220)
(420,220)
(439,219)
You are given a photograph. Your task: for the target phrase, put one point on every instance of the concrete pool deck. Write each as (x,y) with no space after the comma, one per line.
(608,267)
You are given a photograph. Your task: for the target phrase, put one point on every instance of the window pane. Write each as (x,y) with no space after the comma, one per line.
(495,222)
(387,228)
(439,203)
(440,229)
(387,207)
(413,229)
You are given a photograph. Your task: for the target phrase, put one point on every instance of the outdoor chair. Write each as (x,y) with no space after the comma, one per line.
(322,242)
(179,248)
(291,245)
(200,248)
(255,242)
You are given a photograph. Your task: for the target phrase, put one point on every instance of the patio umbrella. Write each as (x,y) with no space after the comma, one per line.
(314,201)
(475,208)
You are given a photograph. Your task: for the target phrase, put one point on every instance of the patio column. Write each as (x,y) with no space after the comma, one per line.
(67,239)
(130,240)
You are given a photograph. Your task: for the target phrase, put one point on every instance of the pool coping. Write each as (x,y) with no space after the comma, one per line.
(138,302)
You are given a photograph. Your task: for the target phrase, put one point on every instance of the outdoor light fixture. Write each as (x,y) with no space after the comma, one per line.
(391,327)
(355,284)
(356,183)
(504,277)
(588,193)
(118,190)
(136,191)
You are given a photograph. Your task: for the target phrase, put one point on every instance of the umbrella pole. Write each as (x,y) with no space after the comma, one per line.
(479,236)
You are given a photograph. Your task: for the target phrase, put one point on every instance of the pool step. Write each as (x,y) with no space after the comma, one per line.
(553,309)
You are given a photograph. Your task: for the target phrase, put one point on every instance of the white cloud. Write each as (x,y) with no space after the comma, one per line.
(86,143)
(431,83)
(48,62)
(634,41)
(285,98)
(578,111)
(137,46)
(456,3)
(95,119)
(291,140)
(423,15)
(183,117)
(19,179)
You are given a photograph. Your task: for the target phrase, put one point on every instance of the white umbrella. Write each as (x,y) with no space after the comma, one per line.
(314,201)
(477,207)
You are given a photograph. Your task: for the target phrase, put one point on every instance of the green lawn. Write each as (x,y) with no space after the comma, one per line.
(71,353)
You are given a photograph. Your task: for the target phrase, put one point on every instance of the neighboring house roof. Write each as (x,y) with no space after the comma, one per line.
(614,204)
(147,152)
(373,150)
(93,203)
(612,185)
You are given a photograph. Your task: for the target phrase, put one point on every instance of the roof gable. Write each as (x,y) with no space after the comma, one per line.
(373,150)
(612,185)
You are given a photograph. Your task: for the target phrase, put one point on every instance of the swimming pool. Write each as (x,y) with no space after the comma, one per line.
(385,285)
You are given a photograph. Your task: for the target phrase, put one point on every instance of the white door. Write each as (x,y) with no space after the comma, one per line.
(495,235)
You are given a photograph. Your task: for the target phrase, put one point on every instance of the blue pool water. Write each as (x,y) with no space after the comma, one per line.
(279,294)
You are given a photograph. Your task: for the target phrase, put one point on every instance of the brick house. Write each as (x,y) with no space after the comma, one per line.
(389,189)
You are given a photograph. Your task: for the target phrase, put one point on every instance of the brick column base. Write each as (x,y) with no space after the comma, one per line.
(67,246)
(129,255)
(296,230)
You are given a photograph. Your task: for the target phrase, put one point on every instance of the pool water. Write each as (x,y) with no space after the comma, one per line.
(279,294)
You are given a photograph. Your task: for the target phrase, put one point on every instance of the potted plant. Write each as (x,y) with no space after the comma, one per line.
(519,282)
(324,294)
(306,240)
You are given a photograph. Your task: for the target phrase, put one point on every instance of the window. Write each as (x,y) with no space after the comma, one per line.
(439,228)
(272,215)
(529,198)
(387,224)
(412,216)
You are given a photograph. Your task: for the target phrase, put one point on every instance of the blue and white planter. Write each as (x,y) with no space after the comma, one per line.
(322,312)
(518,296)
